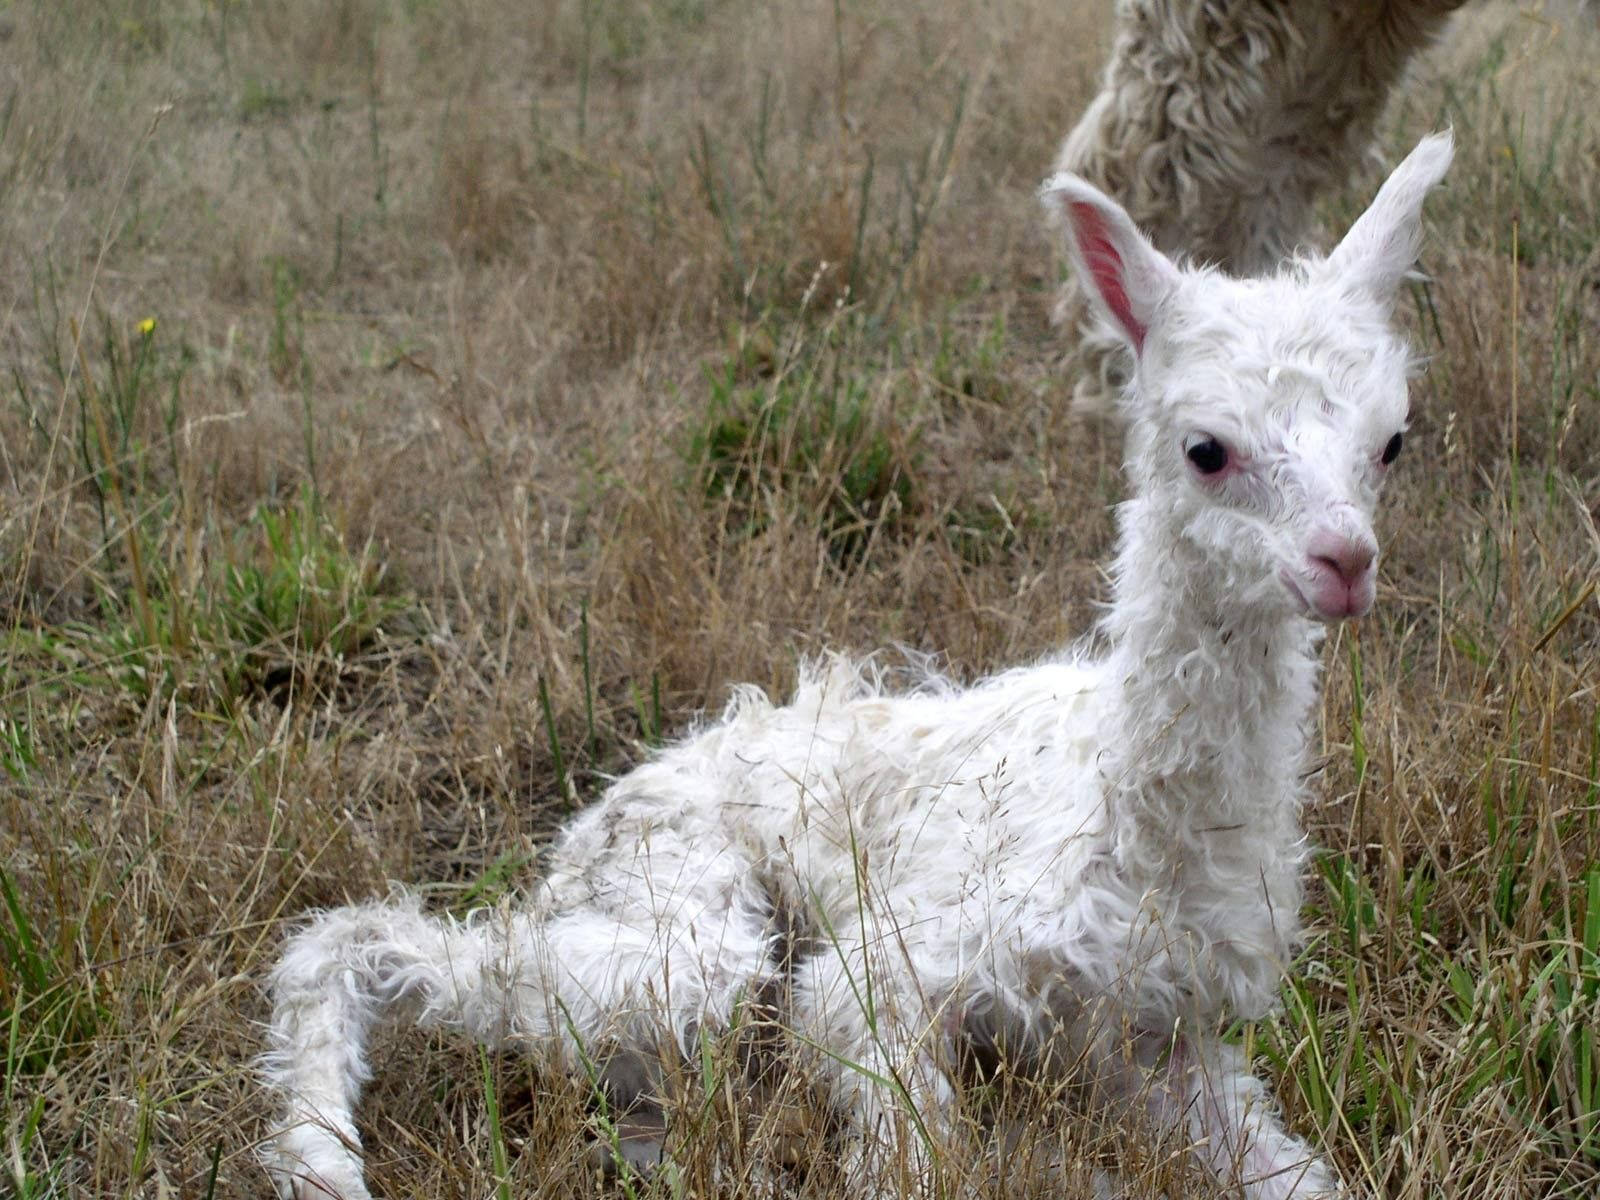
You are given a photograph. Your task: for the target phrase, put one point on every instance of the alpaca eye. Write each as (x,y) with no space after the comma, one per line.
(1207,454)
(1392,450)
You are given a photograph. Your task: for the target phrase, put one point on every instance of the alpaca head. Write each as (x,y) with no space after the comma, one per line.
(1263,413)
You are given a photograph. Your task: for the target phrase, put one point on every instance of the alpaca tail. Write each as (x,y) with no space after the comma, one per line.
(335,980)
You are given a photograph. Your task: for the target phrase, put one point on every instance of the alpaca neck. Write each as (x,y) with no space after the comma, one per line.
(1208,725)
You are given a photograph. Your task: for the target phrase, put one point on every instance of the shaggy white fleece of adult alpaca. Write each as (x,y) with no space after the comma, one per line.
(1220,123)
(1093,860)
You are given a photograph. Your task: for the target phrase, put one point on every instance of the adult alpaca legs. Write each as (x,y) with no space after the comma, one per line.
(1219,125)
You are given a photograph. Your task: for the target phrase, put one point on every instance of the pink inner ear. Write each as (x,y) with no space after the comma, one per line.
(1106,266)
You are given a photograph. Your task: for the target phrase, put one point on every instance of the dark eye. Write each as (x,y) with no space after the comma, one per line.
(1207,454)
(1392,450)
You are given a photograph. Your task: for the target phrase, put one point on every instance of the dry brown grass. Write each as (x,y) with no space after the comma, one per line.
(445,298)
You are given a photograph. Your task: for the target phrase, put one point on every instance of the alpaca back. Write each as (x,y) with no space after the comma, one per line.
(930,789)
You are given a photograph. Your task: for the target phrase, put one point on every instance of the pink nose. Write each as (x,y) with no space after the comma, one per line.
(1347,557)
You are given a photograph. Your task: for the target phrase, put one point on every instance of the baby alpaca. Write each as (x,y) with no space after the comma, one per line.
(1089,863)
(1220,123)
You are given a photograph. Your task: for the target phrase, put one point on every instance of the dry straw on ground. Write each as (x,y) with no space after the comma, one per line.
(521,376)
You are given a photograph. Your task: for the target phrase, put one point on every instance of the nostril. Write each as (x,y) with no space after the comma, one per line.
(1337,567)
(1348,558)
(1354,562)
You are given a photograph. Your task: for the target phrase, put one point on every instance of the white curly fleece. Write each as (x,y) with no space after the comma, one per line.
(1088,862)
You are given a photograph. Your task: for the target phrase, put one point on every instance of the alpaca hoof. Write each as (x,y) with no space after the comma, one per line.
(637,1143)
(313,1165)
(1316,1182)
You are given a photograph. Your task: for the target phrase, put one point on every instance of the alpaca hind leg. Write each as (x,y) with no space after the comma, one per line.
(604,993)
(639,955)
(333,983)
(645,948)
(672,944)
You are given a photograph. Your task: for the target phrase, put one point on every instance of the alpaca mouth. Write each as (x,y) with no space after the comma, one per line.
(1329,600)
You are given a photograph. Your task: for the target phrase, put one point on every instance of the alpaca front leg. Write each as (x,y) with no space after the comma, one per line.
(880,1052)
(900,1106)
(899,1111)
(1207,1090)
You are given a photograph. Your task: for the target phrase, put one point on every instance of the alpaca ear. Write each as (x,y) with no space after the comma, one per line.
(1125,276)
(1382,246)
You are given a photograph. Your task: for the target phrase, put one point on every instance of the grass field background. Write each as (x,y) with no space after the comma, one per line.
(414,411)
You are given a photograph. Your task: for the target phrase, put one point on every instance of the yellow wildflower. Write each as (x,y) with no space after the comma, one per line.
(147,326)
